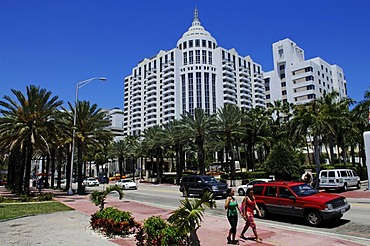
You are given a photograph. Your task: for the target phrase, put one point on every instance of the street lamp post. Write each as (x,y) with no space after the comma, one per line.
(78,86)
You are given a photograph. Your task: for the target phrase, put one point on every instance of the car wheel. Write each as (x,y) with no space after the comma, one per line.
(313,218)
(241,192)
(358,185)
(263,211)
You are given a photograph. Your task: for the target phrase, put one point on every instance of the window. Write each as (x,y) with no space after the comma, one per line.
(183,87)
(191,58)
(310,87)
(270,191)
(214,92)
(204,43)
(210,57)
(308,69)
(197,43)
(198,81)
(206,92)
(185,58)
(184,45)
(283,93)
(197,56)
(191,93)
(282,76)
(308,78)
(267,96)
(190,43)
(204,57)
(282,67)
(283,84)
(267,88)
(209,44)
(284,192)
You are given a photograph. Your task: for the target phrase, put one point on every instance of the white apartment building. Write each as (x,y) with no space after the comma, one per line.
(296,80)
(197,73)
(115,117)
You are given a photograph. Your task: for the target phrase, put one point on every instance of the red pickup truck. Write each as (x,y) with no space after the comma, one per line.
(299,199)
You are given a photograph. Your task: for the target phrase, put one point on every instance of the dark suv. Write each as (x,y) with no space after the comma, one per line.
(199,184)
(299,199)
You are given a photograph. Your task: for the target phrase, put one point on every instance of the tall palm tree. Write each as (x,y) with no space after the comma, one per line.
(228,125)
(91,130)
(189,215)
(257,130)
(153,143)
(25,124)
(176,138)
(118,149)
(311,118)
(200,126)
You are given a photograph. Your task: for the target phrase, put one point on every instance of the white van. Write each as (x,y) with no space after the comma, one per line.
(339,179)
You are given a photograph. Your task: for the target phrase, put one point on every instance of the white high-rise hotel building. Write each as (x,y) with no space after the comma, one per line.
(196,74)
(296,80)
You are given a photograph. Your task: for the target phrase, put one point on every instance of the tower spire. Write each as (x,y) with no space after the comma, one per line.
(196,15)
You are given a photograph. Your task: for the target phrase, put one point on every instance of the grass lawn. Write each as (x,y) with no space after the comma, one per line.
(21,209)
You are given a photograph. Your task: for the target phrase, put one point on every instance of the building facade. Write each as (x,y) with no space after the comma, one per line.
(296,80)
(115,117)
(197,73)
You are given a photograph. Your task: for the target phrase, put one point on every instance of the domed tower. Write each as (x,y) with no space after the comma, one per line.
(197,70)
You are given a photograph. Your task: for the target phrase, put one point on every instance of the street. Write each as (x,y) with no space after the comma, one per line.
(355,224)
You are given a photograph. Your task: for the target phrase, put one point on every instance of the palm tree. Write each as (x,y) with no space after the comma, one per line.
(176,138)
(189,215)
(25,125)
(98,197)
(91,130)
(228,125)
(153,144)
(311,118)
(257,131)
(199,126)
(118,149)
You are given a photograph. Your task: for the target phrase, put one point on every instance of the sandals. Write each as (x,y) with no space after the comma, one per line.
(258,240)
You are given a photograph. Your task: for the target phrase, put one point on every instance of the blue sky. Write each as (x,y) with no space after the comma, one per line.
(55,44)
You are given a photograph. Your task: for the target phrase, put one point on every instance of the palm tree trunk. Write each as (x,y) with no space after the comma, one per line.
(317,158)
(194,239)
(79,169)
(201,158)
(28,168)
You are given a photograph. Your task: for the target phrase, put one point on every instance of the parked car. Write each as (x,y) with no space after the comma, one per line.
(127,184)
(242,189)
(300,200)
(3,182)
(103,180)
(339,179)
(90,182)
(199,184)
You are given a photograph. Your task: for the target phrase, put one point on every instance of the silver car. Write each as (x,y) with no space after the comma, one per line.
(242,189)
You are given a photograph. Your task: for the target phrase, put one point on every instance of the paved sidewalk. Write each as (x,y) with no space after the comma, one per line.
(74,226)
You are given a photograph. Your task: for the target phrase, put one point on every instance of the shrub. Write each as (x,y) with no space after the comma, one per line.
(45,197)
(157,231)
(113,222)
(2,199)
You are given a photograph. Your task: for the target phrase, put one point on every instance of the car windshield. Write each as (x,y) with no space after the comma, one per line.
(304,190)
(209,179)
(91,179)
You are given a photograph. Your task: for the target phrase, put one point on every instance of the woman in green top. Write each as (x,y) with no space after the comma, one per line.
(232,215)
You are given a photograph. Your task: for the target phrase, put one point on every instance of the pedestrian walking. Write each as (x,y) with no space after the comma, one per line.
(247,210)
(232,215)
